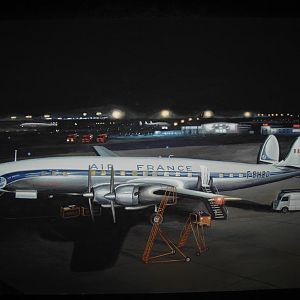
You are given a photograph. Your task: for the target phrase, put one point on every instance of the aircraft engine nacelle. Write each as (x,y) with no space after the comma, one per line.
(99,192)
(129,194)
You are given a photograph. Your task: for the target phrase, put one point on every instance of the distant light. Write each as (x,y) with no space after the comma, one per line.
(281,115)
(272,115)
(208,114)
(28,117)
(197,119)
(46,116)
(75,124)
(190,119)
(182,121)
(84,114)
(175,123)
(59,118)
(247,114)
(287,114)
(276,115)
(117,114)
(13,117)
(98,113)
(165,113)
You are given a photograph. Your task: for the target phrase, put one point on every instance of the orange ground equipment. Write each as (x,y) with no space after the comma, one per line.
(169,198)
(195,223)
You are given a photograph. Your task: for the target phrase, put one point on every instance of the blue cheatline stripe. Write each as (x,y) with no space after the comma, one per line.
(11,177)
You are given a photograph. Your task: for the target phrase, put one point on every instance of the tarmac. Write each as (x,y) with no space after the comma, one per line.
(254,250)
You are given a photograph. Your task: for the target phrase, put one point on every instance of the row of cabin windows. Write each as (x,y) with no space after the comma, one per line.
(135,173)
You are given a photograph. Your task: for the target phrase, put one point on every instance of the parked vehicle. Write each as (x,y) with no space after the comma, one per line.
(72,138)
(101,138)
(287,200)
(87,138)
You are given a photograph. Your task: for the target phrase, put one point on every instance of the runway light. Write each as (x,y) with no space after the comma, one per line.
(98,113)
(190,119)
(13,117)
(182,121)
(84,114)
(28,117)
(175,123)
(165,113)
(46,116)
(247,114)
(208,114)
(117,114)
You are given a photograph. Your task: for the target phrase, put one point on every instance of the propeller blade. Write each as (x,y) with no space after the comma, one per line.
(112,180)
(90,195)
(113,211)
(89,179)
(91,209)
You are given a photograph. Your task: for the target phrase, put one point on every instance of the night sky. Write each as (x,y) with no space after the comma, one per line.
(146,57)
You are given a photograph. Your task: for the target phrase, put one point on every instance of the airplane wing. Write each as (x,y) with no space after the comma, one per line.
(102,151)
(198,194)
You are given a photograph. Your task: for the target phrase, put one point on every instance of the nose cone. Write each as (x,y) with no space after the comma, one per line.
(110,196)
(3,182)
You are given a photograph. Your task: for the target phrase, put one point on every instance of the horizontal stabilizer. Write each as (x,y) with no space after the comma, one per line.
(269,151)
(293,158)
(102,151)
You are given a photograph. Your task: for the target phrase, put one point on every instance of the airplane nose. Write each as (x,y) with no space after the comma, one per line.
(3,182)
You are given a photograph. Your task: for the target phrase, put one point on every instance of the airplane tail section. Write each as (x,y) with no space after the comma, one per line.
(269,151)
(293,158)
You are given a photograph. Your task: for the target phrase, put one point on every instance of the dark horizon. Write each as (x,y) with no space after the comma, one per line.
(180,57)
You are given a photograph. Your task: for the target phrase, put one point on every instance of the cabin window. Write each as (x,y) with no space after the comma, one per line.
(241,175)
(286,198)
(231,175)
(221,175)
(54,173)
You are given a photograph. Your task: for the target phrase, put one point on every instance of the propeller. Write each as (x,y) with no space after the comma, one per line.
(111,196)
(90,194)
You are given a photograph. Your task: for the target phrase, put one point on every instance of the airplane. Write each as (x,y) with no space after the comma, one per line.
(155,123)
(139,182)
(38,125)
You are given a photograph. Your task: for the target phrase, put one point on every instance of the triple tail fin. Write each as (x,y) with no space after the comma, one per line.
(293,158)
(269,151)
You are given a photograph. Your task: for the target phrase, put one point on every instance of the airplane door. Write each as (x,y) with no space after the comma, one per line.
(205,176)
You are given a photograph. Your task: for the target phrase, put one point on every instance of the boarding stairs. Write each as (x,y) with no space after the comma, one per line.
(205,184)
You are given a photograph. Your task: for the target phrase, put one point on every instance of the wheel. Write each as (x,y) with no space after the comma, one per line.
(285,210)
(156,219)
(187,259)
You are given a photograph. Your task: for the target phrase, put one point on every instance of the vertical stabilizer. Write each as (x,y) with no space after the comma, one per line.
(269,151)
(293,158)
